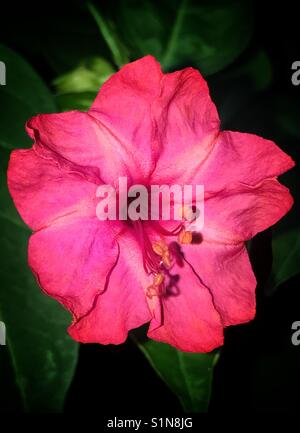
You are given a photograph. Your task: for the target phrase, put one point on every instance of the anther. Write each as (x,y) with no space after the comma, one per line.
(186,212)
(161,249)
(158,279)
(151,291)
(185,237)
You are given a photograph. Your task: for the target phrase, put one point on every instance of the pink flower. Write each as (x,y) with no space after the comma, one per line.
(113,276)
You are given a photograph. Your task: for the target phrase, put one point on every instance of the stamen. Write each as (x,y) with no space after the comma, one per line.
(187,213)
(158,279)
(161,249)
(185,237)
(150,260)
(154,289)
(166,259)
(151,291)
(157,257)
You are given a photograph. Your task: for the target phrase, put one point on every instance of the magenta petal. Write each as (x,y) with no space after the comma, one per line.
(43,191)
(122,306)
(71,260)
(124,107)
(227,272)
(71,135)
(158,116)
(190,320)
(186,124)
(239,158)
(236,215)
(82,140)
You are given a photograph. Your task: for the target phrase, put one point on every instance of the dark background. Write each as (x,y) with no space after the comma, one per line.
(259,368)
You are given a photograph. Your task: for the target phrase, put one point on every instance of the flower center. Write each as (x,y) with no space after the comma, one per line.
(153,236)
(158,257)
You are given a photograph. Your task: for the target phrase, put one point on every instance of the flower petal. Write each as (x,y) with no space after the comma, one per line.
(157,116)
(190,320)
(71,260)
(124,104)
(186,124)
(236,215)
(227,272)
(43,190)
(241,158)
(122,306)
(88,144)
(71,135)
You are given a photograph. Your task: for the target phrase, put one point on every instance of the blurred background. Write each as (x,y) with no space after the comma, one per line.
(56,56)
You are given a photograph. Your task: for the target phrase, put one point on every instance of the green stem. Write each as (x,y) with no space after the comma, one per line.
(175,33)
(119,57)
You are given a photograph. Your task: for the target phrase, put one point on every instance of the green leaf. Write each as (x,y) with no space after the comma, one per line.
(75,101)
(88,76)
(23,96)
(24,84)
(117,48)
(209,35)
(42,356)
(286,256)
(257,70)
(78,88)
(189,375)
